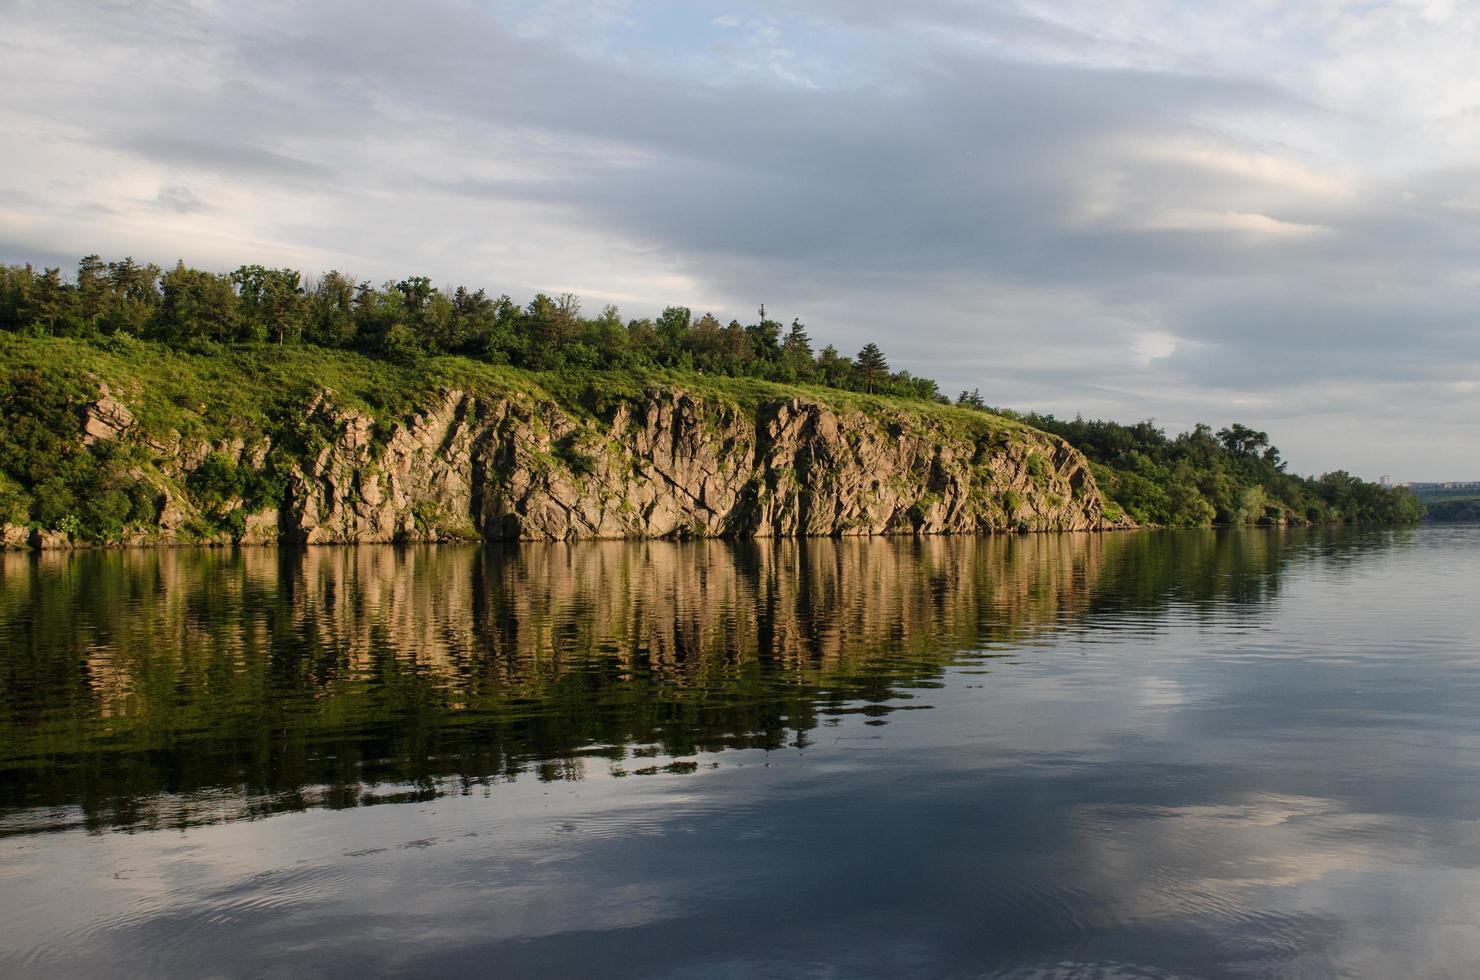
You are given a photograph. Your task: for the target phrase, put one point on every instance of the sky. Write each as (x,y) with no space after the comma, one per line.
(1169,209)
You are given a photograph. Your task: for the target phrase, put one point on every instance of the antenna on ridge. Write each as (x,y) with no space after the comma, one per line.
(763,312)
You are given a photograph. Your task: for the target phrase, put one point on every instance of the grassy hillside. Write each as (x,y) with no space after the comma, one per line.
(213,393)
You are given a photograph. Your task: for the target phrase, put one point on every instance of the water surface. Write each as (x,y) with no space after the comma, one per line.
(1190,754)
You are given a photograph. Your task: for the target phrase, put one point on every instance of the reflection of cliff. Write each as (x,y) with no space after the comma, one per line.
(667,610)
(296,677)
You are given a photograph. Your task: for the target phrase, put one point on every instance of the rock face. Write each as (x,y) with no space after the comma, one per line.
(13,537)
(672,464)
(106,418)
(50,540)
(665,464)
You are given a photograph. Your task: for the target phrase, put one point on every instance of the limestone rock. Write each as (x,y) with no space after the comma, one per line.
(50,540)
(263,527)
(105,418)
(667,463)
(13,537)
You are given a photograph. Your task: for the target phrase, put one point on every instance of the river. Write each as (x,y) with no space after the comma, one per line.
(1145,754)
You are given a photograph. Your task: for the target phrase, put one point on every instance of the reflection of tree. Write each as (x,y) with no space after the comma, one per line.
(247,682)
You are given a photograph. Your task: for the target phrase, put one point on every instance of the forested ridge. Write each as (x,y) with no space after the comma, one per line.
(1229,476)
(410,319)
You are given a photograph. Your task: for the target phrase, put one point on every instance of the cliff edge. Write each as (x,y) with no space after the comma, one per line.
(508,462)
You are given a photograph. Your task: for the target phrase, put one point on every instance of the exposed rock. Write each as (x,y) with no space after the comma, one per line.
(105,418)
(232,449)
(50,540)
(255,455)
(264,527)
(13,537)
(167,445)
(665,464)
(674,465)
(173,516)
(192,453)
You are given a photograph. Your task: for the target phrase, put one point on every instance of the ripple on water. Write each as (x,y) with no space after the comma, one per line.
(1141,755)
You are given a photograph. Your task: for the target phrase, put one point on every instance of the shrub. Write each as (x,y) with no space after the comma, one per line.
(217,480)
(51,501)
(104,514)
(1037,468)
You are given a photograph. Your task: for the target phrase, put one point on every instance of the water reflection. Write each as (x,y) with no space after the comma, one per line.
(170,687)
(1144,755)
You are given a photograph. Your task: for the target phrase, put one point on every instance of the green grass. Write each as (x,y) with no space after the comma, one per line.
(222,391)
(212,395)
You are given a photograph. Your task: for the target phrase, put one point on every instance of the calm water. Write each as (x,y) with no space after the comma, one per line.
(1187,754)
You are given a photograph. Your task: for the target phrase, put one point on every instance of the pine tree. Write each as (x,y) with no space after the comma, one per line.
(871,366)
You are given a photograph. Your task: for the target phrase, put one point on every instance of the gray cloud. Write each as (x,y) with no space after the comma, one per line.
(1074,213)
(179,199)
(235,158)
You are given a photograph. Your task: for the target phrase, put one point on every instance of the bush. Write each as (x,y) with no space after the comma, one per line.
(216,481)
(104,514)
(401,346)
(51,501)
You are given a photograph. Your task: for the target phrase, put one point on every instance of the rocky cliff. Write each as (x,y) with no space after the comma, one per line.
(664,463)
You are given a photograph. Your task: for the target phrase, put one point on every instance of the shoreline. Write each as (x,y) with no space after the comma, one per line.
(49,547)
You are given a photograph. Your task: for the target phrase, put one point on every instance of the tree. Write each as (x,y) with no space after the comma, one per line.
(271,302)
(542,327)
(705,342)
(401,345)
(765,339)
(373,314)
(49,298)
(473,320)
(796,352)
(871,366)
(437,324)
(673,329)
(415,291)
(92,289)
(1240,440)
(134,296)
(330,319)
(196,305)
(834,369)
(607,336)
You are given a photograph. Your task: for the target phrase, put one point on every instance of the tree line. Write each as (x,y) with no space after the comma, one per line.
(1231,476)
(408,319)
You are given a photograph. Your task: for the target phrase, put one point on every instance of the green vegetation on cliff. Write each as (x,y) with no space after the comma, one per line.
(408,320)
(1232,476)
(206,358)
(208,406)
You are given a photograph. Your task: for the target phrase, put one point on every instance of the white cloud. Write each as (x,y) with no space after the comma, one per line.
(1249,223)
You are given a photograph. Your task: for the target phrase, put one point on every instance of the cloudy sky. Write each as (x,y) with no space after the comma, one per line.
(1150,208)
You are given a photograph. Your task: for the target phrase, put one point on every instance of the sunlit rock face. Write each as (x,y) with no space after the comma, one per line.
(667,464)
(662,463)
